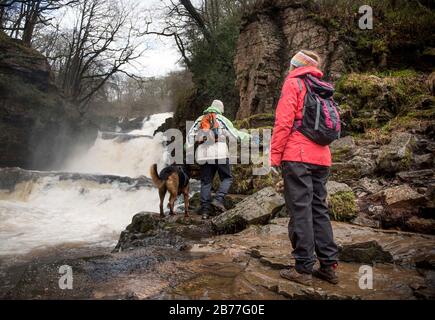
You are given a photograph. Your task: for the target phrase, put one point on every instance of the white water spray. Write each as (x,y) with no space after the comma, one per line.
(50,211)
(130,156)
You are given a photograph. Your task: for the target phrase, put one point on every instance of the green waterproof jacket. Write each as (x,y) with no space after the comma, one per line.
(224,124)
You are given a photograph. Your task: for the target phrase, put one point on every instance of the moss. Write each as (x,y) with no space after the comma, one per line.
(411,120)
(406,161)
(340,155)
(404,73)
(242,180)
(264,181)
(372,100)
(257,121)
(342,206)
(232,225)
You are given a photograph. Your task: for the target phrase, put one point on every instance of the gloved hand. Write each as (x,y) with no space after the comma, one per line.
(276,170)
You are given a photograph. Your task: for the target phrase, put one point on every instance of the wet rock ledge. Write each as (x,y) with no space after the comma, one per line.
(245,247)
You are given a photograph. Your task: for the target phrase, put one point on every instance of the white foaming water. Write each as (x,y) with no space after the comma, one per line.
(51,212)
(131,157)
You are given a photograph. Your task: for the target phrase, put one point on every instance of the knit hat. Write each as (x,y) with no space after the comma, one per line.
(302,60)
(218,105)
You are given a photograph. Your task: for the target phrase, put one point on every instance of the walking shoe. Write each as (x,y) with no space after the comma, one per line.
(219,206)
(292,275)
(327,273)
(204,212)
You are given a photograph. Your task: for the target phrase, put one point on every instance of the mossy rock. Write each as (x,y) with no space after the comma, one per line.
(375,99)
(343,148)
(263,181)
(257,121)
(342,206)
(398,155)
(143,223)
(230,226)
(242,180)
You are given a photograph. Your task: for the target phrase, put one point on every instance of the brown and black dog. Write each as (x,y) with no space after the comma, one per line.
(175,180)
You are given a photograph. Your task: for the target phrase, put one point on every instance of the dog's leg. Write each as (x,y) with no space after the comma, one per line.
(162,193)
(172,200)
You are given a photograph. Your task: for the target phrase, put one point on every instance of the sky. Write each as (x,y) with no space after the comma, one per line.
(161,56)
(159,59)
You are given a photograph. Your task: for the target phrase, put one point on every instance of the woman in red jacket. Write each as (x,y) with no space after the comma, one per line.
(305,167)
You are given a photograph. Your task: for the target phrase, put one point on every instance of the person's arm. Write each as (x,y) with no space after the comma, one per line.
(192,135)
(284,119)
(237,134)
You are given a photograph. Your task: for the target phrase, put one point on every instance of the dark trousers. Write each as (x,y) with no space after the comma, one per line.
(310,227)
(208,171)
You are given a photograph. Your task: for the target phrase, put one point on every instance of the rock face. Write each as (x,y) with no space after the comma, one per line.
(36,123)
(269,37)
(397,156)
(403,207)
(256,209)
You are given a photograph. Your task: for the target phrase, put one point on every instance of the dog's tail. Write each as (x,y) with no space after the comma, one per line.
(155,176)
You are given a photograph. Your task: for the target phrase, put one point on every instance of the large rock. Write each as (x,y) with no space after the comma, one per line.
(149,229)
(400,196)
(396,156)
(256,209)
(270,35)
(341,201)
(421,178)
(367,245)
(393,255)
(402,207)
(342,148)
(354,169)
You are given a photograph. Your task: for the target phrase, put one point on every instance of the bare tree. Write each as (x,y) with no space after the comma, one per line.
(104,38)
(20,18)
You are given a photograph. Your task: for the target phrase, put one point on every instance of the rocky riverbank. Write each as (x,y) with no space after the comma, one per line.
(179,258)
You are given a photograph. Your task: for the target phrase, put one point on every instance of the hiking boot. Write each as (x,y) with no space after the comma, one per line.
(292,275)
(205,213)
(327,273)
(219,206)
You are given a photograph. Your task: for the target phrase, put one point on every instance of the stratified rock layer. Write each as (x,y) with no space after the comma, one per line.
(269,37)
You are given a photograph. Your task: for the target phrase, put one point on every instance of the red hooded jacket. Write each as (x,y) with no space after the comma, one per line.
(294,146)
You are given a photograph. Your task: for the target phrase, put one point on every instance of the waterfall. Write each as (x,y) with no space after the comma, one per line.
(85,207)
(129,154)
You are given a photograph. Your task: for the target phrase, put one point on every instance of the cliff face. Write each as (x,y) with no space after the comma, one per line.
(36,123)
(269,37)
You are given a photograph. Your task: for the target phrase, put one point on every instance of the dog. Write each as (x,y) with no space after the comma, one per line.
(175,180)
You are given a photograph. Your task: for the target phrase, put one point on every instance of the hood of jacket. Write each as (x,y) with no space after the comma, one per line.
(212,110)
(299,72)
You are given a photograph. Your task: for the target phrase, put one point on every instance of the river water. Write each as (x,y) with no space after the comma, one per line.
(49,211)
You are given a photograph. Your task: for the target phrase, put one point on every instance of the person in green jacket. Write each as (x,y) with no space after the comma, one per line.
(212,154)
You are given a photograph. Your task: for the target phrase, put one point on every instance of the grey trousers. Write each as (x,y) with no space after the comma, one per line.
(310,229)
(208,171)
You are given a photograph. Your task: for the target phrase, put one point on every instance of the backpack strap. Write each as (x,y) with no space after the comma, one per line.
(298,122)
(300,84)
